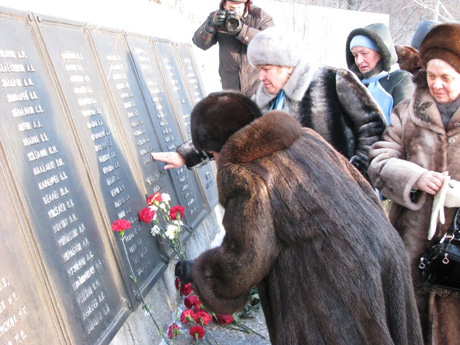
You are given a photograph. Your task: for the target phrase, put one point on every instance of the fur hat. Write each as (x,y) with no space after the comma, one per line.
(275,46)
(216,117)
(422,30)
(408,58)
(442,42)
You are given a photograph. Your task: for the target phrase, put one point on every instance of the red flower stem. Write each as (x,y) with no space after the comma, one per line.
(144,304)
(243,328)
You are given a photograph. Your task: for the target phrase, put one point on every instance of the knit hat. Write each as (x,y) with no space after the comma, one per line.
(422,30)
(275,46)
(442,42)
(216,117)
(363,41)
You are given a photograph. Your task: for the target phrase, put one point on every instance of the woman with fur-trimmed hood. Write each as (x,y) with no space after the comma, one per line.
(410,165)
(303,225)
(371,54)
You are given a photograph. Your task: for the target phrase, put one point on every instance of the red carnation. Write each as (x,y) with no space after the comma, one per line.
(202,317)
(186,289)
(223,319)
(173,330)
(198,306)
(146,215)
(178,283)
(121,225)
(155,198)
(187,315)
(176,212)
(190,301)
(197,332)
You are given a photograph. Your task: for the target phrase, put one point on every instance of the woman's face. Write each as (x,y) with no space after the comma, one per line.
(365,58)
(443,81)
(274,77)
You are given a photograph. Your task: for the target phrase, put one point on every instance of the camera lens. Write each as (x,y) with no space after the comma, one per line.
(232,23)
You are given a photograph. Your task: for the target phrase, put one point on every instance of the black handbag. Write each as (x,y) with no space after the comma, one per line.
(440,265)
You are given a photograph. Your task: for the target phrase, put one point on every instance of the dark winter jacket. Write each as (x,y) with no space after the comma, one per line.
(305,227)
(335,104)
(398,83)
(234,69)
(416,142)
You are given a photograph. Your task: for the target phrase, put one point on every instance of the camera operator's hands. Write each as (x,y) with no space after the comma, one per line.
(217,20)
(183,271)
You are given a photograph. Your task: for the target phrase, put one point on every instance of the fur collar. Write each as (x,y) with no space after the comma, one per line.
(295,88)
(273,132)
(425,113)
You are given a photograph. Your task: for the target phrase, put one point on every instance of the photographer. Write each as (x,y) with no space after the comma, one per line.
(233,26)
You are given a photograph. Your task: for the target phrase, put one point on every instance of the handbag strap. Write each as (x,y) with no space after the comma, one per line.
(453,231)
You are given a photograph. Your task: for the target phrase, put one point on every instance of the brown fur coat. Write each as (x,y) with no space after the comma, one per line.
(305,227)
(414,143)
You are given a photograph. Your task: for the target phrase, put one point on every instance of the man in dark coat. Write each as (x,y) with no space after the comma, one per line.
(305,227)
(234,70)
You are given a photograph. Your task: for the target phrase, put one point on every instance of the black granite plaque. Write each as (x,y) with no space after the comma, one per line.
(97,126)
(130,103)
(190,72)
(41,153)
(23,306)
(177,84)
(165,124)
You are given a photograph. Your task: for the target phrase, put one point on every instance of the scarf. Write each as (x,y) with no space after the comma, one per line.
(278,102)
(382,97)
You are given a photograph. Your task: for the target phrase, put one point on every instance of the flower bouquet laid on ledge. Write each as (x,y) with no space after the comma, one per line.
(190,317)
(193,320)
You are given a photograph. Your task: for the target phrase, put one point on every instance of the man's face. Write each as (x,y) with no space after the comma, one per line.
(274,77)
(365,58)
(235,6)
(443,81)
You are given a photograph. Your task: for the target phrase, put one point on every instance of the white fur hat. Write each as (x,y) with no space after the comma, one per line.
(275,46)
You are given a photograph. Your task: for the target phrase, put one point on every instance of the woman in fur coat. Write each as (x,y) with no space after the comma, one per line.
(305,227)
(329,100)
(410,164)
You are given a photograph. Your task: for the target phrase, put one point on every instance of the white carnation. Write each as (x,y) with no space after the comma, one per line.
(166,197)
(155,230)
(171,231)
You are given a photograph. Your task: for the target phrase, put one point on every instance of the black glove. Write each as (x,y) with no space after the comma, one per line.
(183,271)
(217,20)
(359,161)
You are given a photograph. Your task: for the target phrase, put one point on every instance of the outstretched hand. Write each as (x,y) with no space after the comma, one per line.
(172,159)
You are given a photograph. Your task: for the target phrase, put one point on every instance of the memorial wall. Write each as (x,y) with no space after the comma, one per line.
(82,108)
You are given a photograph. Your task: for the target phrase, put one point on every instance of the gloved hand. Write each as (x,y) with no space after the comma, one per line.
(359,161)
(218,19)
(437,211)
(453,194)
(183,271)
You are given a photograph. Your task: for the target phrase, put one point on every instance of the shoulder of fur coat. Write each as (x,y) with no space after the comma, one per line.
(273,132)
